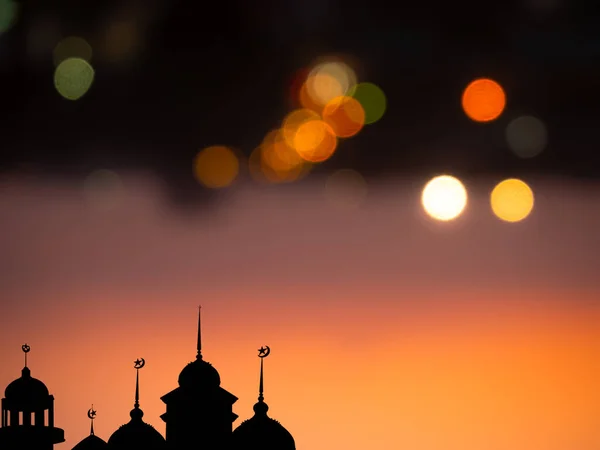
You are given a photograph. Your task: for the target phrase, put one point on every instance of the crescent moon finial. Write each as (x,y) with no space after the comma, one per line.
(264,351)
(139,363)
(91,413)
(26,348)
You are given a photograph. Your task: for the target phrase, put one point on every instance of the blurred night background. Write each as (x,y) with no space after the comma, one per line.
(174,77)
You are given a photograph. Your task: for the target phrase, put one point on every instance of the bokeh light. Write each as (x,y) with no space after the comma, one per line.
(294,120)
(526,136)
(73,78)
(8,14)
(372,99)
(512,200)
(315,141)
(279,162)
(216,166)
(72,47)
(326,81)
(346,188)
(483,100)
(345,115)
(444,198)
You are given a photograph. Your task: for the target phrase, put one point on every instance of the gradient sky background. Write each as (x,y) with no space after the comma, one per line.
(388,330)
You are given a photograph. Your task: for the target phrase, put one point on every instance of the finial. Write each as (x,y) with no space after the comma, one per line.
(199,344)
(138,364)
(91,415)
(263,352)
(26,349)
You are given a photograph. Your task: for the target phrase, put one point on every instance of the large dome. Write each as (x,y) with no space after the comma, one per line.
(262,432)
(199,374)
(136,435)
(26,389)
(91,442)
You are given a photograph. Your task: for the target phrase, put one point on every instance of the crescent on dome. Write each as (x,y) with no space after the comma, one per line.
(91,413)
(139,363)
(264,351)
(26,348)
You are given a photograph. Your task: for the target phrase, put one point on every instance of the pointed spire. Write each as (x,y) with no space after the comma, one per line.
(199,344)
(261,407)
(136,412)
(91,415)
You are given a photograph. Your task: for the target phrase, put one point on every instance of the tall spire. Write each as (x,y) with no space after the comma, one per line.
(199,345)
(92,415)
(137,413)
(261,407)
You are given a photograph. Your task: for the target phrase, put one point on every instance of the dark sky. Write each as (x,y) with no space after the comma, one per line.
(219,73)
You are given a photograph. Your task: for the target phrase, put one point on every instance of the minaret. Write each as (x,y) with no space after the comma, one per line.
(199,410)
(28,414)
(261,431)
(136,434)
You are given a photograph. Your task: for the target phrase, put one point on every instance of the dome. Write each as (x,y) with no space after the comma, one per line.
(199,374)
(26,388)
(91,442)
(136,434)
(262,432)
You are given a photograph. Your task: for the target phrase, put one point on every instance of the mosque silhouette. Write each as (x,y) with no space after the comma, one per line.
(199,415)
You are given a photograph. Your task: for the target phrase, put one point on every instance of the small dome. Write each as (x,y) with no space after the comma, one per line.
(262,432)
(137,434)
(199,374)
(26,388)
(91,442)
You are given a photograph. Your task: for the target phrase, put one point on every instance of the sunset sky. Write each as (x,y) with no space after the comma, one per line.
(388,330)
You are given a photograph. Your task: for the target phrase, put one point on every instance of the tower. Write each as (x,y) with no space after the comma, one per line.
(28,414)
(136,434)
(261,432)
(199,410)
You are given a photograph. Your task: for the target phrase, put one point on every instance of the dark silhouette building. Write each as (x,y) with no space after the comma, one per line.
(199,414)
(28,414)
(92,442)
(199,406)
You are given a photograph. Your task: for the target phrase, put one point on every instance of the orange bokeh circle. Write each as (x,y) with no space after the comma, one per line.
(345,115)
(315,141)
(483,100)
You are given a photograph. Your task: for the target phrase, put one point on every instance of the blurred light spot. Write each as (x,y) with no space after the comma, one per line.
(279,161)
(346,188)
(120,41)
(372,99)
(526,136)
(294,120)
(512,200)
(325,82)
(8,14)
(216,166)
(73,77)
(103,189)
(444,198)
(315,141)
(72,47)
(483,100)
(345,116)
